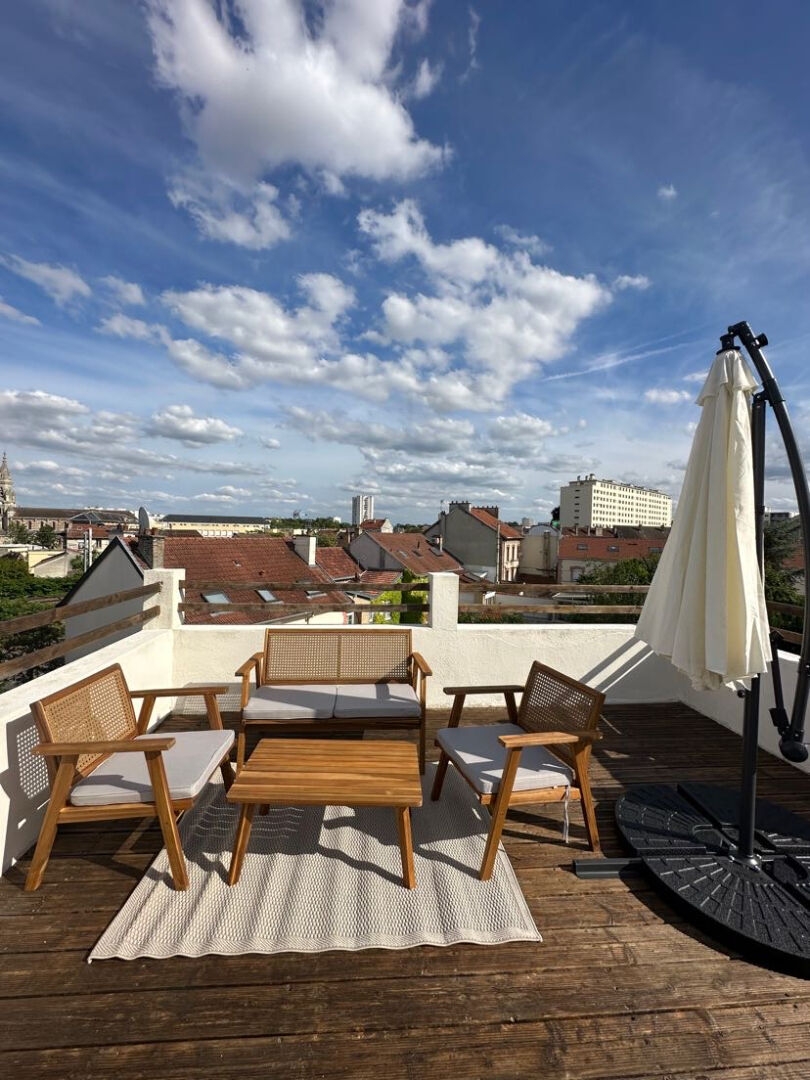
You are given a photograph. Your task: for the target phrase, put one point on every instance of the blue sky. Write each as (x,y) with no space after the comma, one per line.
(257,256)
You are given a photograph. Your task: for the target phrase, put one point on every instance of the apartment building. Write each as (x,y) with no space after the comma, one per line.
(362,508)
(587,503)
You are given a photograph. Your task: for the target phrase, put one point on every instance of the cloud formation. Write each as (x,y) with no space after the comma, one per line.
(275,88)
(59,282)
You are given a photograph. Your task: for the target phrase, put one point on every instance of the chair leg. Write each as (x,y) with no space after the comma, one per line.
(240,748)
(422,747)
(228,775)
(499,813)
(581,760)
(47,834)
(168,822)
(441,772)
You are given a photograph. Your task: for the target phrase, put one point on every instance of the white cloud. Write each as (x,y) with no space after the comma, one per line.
(531,243)
(666,397)
(426,80)
(270,444)
(472,43)
(60,283)
(631,281)
(667,192)
(248,217)
(281,90)
(15,315)
(487,304)
(125,292)
(124,326)
(179,422)
(432,437)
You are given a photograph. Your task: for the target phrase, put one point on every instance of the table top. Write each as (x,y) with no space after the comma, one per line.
(329,772)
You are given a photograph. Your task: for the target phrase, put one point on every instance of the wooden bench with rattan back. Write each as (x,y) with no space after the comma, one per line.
(334,680)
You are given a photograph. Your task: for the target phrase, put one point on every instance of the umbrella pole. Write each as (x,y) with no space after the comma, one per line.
(748,786)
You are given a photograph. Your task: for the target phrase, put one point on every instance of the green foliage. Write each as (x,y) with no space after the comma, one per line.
(489,614)
(46,536)
(22,594)
(779,542)
(624,572)
(18,533)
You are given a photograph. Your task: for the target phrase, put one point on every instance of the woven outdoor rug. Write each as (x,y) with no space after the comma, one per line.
(318,878)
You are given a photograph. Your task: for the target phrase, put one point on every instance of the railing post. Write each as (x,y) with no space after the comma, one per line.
(169,580)
(443,597)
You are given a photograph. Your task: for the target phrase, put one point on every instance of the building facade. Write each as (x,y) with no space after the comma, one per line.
(475,535)
(588,503)
(362,509)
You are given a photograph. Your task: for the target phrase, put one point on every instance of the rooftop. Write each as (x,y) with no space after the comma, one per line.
(619,987)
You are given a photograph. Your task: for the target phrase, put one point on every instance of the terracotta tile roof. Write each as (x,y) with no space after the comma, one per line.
(372,524)
(248,559)
(415,553)
(607,548)
(380,577)
(508,532)
(337,563)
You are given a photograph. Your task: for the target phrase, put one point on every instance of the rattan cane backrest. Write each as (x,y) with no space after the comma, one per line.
(98,707)
(552,701)
(331,655)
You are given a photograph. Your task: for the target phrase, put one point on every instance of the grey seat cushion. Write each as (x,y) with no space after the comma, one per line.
(377,700)
(300,701)
(477,754)
(125,777)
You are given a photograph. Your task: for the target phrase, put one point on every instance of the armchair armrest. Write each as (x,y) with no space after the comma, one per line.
(460,693)
(249,664)
(104,746)
(422,664)
(547,738)
(208,691)
(505,688)
(181,691)
(252,664)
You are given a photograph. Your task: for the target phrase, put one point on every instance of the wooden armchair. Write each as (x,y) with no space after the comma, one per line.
(509,764)
(102,765)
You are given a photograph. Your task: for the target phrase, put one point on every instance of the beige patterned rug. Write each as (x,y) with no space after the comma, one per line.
(319,878)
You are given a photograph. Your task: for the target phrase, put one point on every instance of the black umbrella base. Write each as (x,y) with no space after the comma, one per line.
(685,837)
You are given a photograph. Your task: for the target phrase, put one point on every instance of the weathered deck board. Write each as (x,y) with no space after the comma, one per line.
(619,988)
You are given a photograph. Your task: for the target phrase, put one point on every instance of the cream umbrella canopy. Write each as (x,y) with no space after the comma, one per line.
(705,610)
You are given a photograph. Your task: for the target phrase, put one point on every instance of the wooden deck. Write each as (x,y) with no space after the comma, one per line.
(620,987)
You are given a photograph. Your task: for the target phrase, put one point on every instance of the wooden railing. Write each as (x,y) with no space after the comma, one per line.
(284,609)
(586,607)
(21,623)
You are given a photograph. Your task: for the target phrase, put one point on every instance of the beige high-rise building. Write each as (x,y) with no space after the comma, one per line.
(588,503)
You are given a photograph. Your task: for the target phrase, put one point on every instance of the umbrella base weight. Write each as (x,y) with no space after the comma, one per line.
(686,840)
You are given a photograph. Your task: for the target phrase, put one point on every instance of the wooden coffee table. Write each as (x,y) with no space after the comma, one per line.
(328,772)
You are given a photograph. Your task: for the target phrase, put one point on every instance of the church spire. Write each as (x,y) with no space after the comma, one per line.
(8,502)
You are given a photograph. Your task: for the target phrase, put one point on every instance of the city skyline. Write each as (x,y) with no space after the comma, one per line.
(260,261)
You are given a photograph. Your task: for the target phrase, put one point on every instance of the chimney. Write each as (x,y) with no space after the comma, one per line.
(150,549)
(305,548)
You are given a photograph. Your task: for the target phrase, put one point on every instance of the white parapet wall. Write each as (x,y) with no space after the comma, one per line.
(603,655)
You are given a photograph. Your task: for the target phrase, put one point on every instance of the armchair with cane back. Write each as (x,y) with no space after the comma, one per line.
(542,755)
(103,765)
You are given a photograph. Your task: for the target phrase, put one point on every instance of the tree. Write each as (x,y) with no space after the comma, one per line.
(624,572)
(18,533)
(46,536)
(779,543)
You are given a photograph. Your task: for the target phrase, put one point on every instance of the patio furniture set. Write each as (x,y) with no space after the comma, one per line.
(104,764)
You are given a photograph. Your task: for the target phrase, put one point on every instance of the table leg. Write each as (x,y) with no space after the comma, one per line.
(241,842)
(406,846)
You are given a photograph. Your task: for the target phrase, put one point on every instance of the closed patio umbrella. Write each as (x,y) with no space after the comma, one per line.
(705,610)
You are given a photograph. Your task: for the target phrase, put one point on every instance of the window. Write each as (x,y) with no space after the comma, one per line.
(267,596)
(582,547)
(314,592)
(613,547)
(215,598)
